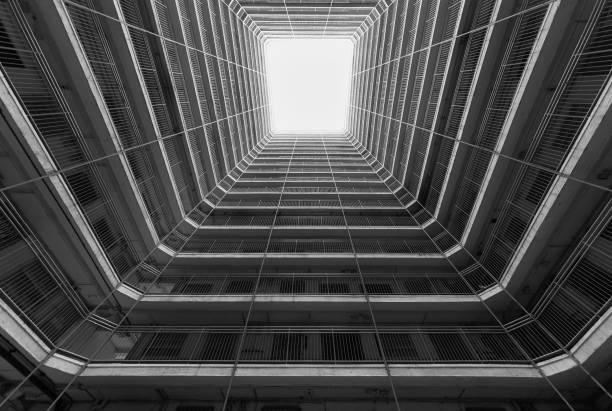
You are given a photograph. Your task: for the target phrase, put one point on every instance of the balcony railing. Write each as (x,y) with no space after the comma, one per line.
(311,189)
(423,138)
(93,40)
(511,71)
(310,220)
(302,169)
(42,297)
(324,179)
(31,283)
(419,60)
(176,147)
(304,284)
(33,286)
(311,203)
(316,246)
(28,73)
(584,78)
(324,345)
(470,61)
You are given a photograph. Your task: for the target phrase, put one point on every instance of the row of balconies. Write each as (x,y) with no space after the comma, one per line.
(430,26)
(310,220)
(40,313)
(275,147)
(86,183)
(311,344)
(22,290)
(330,346)
(553,147)
(368,247)
(321,162)
(408,35)
(310,19)
(443,57)
(114,92)
(556,137)
(354,179)
(293,191)
(308,156)
(558,305)
(140,161)
(302,284)
(348,199)
(309,246)
(303,169)
(475,48)
(311,174)
(297,154)
(498,111)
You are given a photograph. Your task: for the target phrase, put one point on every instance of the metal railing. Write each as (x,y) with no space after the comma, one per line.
(209,246)
(176,147)
(304,284)
(511,71)
(576,299)
(311,203)
(196,69)
(581,291)
(34,84)
(310,220)
(302,169)
(420,59)
(584,78)
(218,144)
(423,139)
(469,63)
(326,345)
(348,179)
(31,282)
(47,302)
(93,40)
(311,189)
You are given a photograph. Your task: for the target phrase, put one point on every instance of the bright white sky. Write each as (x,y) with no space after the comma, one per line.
(308,84)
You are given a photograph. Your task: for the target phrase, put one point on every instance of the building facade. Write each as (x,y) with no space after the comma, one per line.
(161,248)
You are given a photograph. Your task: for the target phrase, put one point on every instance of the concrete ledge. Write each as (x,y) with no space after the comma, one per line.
(322,302)
(467,374)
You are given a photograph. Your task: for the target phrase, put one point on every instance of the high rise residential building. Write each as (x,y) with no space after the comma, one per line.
(165,243)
